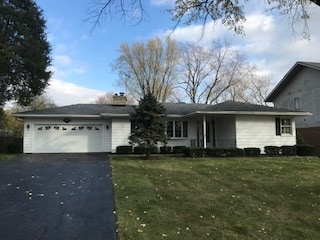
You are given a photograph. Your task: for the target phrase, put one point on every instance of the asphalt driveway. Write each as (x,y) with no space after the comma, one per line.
(56,196)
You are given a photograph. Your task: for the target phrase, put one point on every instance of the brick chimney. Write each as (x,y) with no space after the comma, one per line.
(120,99)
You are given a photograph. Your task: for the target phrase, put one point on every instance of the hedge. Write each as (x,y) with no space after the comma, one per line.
(305,150)
(165,149)
(194,152)
(143,150)
(124,150)
(288,150)
(272,150)
(216,152)
(234,152)
(179,149)
(252,152)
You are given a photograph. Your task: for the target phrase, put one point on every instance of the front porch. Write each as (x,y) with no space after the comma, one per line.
(204,131)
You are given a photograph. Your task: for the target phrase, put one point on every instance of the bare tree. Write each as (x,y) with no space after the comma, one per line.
(207,73)
(127,10)
(104,99)
(230,12)
(253,89)
(107,98)
(195,68)
(148,68)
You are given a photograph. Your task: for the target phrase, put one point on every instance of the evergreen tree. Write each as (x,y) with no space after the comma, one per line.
(24,51)
(148,123)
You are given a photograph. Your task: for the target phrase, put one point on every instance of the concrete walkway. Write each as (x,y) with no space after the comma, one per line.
(56,196)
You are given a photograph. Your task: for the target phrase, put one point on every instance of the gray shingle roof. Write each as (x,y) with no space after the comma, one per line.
(180,109)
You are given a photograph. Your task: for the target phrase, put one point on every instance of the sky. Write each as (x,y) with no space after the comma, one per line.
(82,55)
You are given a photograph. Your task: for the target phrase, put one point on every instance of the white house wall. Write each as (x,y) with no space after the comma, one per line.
(121,129)
(259,131)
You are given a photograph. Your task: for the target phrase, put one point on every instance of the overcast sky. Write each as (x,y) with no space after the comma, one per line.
(82,56)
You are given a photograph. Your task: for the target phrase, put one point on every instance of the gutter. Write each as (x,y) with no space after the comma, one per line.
(54,116)
(253,113)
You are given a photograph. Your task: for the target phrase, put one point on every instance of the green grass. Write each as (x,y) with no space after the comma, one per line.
(245,198)
(6,156)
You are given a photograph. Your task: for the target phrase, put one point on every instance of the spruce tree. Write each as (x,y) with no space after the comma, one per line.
(24,51)
(148,124)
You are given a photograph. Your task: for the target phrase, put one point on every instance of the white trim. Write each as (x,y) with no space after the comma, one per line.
(55,115)
(254,113)
(115,115)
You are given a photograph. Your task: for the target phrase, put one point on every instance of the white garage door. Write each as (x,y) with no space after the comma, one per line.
(67,138)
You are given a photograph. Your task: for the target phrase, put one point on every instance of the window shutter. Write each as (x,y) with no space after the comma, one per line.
(278,127)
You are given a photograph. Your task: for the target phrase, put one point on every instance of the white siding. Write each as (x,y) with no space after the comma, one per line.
(28,136)
(107,135)
(121,129)
(259,131)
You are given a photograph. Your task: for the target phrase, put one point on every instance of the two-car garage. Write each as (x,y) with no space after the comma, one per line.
(54,138)
(80,128)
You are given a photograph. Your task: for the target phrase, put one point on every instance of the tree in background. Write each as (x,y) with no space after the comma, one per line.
(11,123)
(207,73)
(230,12)
(107,98)
(148,68)
(38,103)
(24,52)
(148,124)
(253,89)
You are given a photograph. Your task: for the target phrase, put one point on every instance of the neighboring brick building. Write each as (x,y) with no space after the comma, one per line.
(300,90)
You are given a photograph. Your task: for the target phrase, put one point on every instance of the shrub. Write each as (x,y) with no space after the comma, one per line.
(143,150)
(216,152)
(272,150)
(165,149)
(234,152)
(194,152)
(16,146)
(300,140)
(139,150)
(252,152)
(124,150)
(288,150)
(179,149)
(305,150)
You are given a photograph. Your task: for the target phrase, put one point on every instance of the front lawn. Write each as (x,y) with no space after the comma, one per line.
(220,198)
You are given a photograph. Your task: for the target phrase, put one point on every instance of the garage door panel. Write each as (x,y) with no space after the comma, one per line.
(67,138)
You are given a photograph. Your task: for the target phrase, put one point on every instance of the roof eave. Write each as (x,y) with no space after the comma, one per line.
(282,83)
(260,113)
(54,115)
(115,114)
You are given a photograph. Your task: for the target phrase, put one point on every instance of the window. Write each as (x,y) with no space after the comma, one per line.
(177,129)
(170,129)
(286,127)
(283,126)
(296,103)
